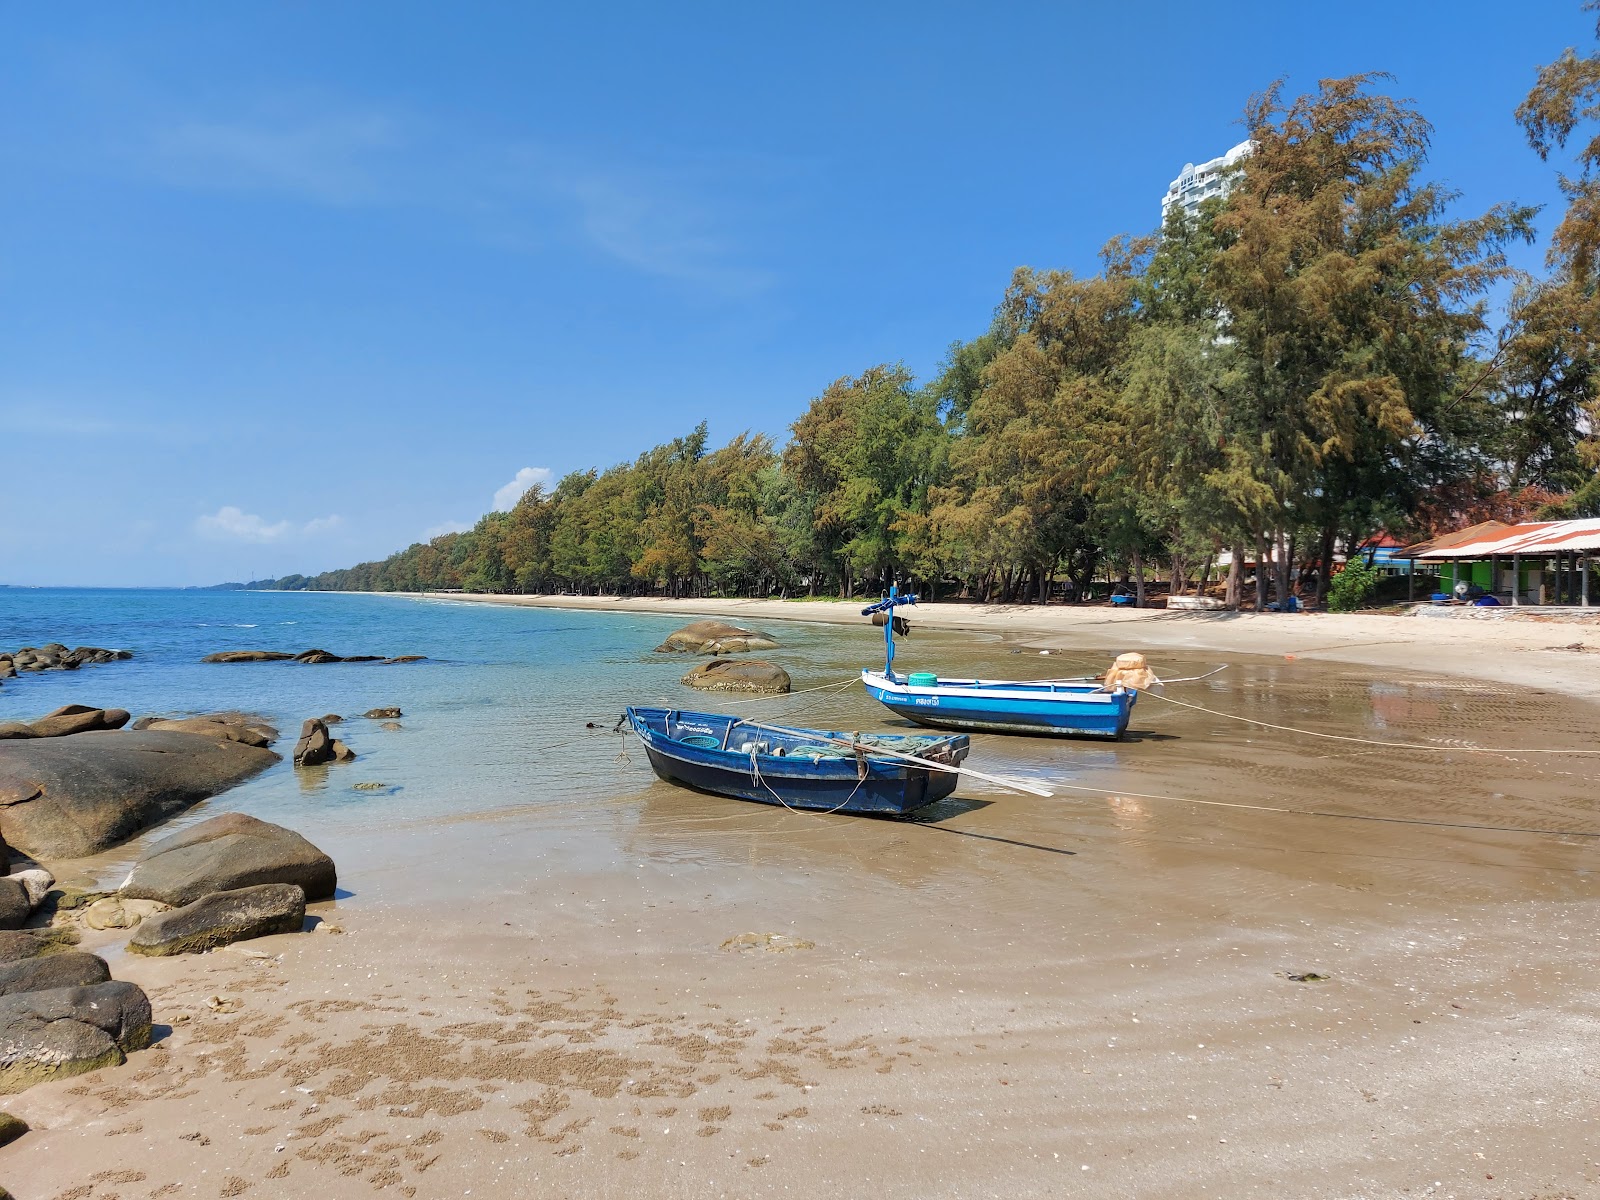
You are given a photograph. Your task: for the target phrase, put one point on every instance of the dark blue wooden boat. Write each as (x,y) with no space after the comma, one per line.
(811,769)
(1054,708)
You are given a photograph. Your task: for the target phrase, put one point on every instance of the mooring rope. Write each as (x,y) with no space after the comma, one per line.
(1112,793)
(1364,741)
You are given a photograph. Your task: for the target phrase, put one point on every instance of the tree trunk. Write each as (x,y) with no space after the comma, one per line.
(1138,580)
(1283,547)
(1325,561)
(1261,570)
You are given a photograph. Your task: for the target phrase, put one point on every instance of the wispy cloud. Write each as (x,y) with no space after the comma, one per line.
(671,217)
(231,524)
(444,527)
(326,157)
(505,498)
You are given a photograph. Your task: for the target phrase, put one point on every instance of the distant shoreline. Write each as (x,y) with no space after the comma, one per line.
(1528,652)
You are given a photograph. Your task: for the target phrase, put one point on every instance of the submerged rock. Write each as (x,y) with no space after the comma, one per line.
(391,726)
(715,637)
(75,796)
(223,917)
(70,969)
(68,1031)
(238,656)
(382,714)
(225,853)
(738,675)
(229,726)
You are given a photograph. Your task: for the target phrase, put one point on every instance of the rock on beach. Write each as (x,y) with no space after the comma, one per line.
(715,637)
(72,968)
(222,917)
(225,853)
(67,797)
(67,1031)
(738,675)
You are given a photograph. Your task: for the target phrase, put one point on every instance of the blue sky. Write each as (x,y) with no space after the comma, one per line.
(287,286)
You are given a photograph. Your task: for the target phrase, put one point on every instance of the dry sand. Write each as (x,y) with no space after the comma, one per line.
(671,995)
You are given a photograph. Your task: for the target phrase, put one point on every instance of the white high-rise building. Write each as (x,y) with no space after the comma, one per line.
(1198,183)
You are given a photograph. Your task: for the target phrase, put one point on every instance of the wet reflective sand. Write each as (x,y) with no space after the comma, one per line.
(1091,995)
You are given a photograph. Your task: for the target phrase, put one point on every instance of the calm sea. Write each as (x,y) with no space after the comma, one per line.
(494,719)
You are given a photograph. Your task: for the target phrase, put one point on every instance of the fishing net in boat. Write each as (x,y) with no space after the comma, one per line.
(1132,672)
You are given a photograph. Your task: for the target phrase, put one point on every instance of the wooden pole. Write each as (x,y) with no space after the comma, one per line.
(1586,580)
(1516,580)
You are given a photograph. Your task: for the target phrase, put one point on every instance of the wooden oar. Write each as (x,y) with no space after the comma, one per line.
(1015,785)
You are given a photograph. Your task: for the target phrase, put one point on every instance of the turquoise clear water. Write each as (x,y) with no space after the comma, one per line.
(494,720)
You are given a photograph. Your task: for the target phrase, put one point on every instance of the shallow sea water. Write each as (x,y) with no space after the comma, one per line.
(494,739)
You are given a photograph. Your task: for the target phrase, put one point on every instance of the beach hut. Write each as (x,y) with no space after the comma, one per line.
(1537,562)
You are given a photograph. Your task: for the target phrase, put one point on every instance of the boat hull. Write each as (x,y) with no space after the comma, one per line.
(889,788)
(1002,706)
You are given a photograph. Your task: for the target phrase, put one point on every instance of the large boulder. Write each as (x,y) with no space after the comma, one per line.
(220,918)
(382,714)
(738,675)
(15,730)
(228,852)
(68,1031)
(70,969)
(70,797)
(78,718)
(715,637)
(239,656)
(315,746)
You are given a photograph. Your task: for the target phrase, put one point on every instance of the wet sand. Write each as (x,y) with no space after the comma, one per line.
(664,994)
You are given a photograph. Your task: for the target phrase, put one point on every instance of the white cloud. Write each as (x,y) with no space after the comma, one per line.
(506,498)
(230,524)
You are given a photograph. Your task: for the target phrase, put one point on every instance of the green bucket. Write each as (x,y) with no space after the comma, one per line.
(922,679)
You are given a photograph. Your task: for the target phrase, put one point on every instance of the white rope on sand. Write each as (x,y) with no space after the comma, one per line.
(1113,794)
(1342,737)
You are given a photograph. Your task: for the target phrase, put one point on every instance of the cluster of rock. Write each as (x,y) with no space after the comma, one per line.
(317,746)
(227,879)
(71,796)
(305,656)
(60,1011)
(54,657)
(715,637)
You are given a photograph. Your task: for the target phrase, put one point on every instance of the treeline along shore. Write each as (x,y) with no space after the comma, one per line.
(1305,360)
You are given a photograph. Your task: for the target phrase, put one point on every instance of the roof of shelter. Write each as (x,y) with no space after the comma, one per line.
(1494,539)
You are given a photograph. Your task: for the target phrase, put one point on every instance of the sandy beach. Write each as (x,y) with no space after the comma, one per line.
(1535,649)
(1223,961)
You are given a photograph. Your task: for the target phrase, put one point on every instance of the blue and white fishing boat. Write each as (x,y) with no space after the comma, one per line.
(883,774)
(1054,708)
